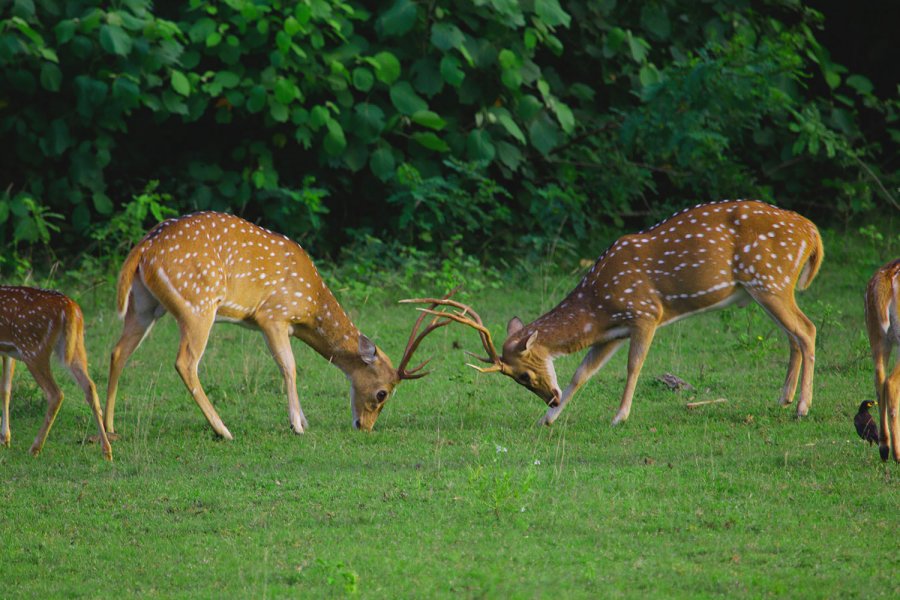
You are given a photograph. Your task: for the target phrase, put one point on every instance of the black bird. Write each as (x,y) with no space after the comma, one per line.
(865,424)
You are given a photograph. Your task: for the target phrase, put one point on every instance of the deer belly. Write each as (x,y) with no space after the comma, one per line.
(10,350)
(680,308)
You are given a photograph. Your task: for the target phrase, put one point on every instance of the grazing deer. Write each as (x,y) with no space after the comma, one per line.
(700,259)
(883,324)
(33,324)
(208,267)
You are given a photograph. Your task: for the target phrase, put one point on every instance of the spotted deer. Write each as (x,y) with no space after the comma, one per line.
(883,325)
(35,324)
(703,258)
(207,267)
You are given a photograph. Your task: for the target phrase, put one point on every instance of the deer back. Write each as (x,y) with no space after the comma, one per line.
(882,293)
(31,321)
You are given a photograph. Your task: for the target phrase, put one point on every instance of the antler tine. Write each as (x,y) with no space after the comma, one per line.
(415,340)
(445,301)
(476,323)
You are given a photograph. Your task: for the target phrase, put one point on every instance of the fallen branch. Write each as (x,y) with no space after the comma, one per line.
(693,405)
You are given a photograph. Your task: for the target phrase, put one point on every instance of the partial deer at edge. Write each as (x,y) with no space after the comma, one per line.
(208,267)
(883,325)
(703,258)
(35,323)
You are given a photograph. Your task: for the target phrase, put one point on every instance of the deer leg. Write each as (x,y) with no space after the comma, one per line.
(194,335)
(596,357)
(279,342)
(795,362)
(143,311)
(881,352)
(890,415)
(9,366)
(800,331)
(641,338)
(40,370)
(79,370)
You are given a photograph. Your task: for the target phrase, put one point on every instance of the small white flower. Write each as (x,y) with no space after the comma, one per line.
(501,449)
(537,461)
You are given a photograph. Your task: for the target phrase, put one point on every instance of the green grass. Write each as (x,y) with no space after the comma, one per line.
(457,492)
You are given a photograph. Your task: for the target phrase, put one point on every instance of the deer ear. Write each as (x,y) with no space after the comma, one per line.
(367,351)
(530,341)
(514,325)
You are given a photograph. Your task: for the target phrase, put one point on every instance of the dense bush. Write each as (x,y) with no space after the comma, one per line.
(509,126)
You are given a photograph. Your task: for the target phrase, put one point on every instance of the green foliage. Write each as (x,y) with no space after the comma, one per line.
(129,225)
(324,119)
(371,266)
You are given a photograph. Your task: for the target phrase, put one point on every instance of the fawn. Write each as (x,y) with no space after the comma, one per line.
(34,324)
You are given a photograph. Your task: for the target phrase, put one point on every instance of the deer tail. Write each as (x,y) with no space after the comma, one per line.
(813,263)
(73,330)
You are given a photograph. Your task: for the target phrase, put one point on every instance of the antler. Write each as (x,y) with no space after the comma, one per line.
(415,340)
(460,317)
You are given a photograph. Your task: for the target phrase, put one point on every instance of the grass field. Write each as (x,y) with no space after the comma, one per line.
(457,492)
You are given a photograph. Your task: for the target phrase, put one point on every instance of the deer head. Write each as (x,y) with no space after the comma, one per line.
(524,359)
(374,383)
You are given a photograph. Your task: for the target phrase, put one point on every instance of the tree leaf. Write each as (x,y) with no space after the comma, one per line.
(180,83)
(429,119)
(115,40)
(431,141)
(507,122)
(426,76)
(655,20)
(480,146)
(382,164)
(65,30)
(398,19)
(552,13)
(445,36)
(368,121)
(279,111)
(451,70)
(51,77)
(509,155)
(102,203)
(405,99)
(362,78)
(387,67)
(638,48)
(334,142)
(285,90)
(227,79)
(543,134)
(257,100)
(57,138)
(861,84)
(564,115)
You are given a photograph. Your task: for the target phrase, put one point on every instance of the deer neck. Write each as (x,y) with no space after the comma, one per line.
(332,334)
(571,326)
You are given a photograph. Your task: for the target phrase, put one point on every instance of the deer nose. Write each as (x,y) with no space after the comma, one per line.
(553,402)
(355,423)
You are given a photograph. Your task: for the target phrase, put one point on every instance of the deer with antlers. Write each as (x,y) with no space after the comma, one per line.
(35,323)
(208,267)
(883,325)
(703,258)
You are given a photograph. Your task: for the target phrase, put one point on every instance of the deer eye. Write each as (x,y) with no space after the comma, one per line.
(524,379)
(381,396)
